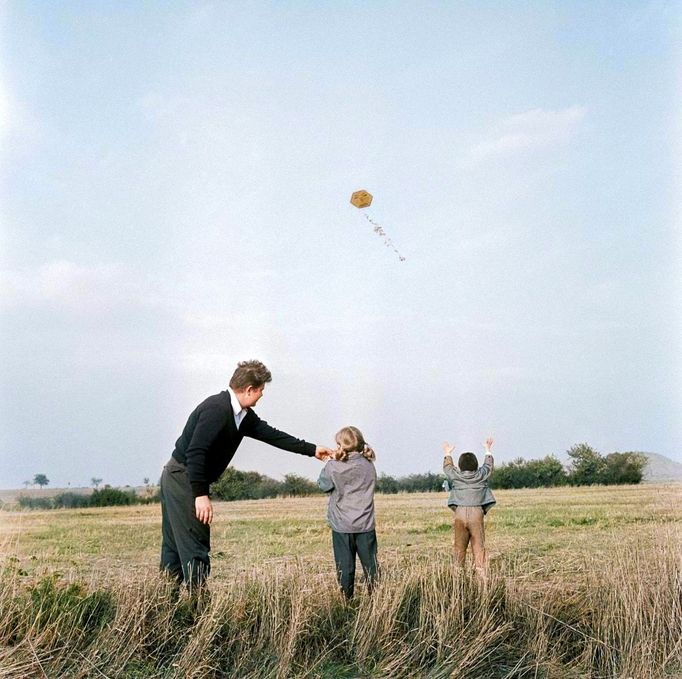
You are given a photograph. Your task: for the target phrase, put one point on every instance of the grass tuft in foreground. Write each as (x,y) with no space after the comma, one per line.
(621,618)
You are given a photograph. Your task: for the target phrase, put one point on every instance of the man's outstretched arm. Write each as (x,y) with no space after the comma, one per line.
(258,429)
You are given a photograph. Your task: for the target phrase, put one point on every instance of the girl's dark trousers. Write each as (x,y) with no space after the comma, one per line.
(346,547)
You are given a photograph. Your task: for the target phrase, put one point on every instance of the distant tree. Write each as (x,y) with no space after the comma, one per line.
(70,500)
(387,484)
(587,465)
(108,496)
(421,483)
(296,485)
(95,482)
(40,480)
(267,487)
(520,473)
(145,480)
(514,474)
(233,485)
(510,475)
(548,472)
(27,484)
(26,502)
(238,485)
(624,468)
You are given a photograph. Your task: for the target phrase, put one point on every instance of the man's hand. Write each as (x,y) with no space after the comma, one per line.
(447,448)
(204,509)
(322,453)
(488,444)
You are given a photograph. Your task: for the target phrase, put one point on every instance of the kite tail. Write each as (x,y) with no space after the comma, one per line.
(378,229)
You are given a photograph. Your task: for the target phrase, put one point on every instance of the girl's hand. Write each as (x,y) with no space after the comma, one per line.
(489,443)
(447,448)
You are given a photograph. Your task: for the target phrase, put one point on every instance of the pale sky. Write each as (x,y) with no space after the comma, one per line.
(175,198)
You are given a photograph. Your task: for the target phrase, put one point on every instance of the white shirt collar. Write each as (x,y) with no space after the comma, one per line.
(239,412)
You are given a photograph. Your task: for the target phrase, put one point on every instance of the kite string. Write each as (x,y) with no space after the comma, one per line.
(378,229)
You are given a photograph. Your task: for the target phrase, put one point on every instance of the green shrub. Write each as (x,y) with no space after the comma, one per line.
(421,483)
(109,497)
(520,473)
(296,485)
(238,485)
(387,484)
(26,502)
(624,468)
(587,465)
(105,497)
(70,500)
(149,499)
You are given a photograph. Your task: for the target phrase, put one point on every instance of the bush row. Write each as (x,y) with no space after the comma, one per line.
(587,467)
(103,497)
(238,485)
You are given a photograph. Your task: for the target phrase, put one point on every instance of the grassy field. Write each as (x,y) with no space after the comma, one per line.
(583,583)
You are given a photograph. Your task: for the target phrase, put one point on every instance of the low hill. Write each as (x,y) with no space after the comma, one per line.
(662,469)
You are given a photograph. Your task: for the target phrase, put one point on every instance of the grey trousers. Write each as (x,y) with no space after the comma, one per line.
(346,547)
(185,541)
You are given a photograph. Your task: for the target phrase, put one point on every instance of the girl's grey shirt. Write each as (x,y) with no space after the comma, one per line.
(469,489)
(350,486)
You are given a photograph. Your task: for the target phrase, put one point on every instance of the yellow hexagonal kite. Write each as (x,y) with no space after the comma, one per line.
(361,198)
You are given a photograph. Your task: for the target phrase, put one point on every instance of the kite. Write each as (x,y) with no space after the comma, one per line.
(362,199)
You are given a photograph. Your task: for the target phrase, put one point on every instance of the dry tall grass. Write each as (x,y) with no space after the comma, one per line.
(620,616)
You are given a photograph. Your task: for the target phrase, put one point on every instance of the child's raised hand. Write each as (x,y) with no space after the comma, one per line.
(489,443)
(447,448)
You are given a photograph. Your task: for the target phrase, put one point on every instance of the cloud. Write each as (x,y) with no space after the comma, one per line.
(206,363)
(4,110)
(67,285)
(19,128)
(77,288)
(534,129)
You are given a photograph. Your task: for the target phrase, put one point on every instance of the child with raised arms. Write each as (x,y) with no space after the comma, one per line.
(470,499)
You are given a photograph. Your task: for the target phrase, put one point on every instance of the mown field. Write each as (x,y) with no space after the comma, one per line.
(583,582)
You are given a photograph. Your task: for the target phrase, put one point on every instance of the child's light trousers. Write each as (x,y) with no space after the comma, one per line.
(468,527)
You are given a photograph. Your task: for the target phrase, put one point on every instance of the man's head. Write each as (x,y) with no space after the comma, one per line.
(248,382)
(467,462)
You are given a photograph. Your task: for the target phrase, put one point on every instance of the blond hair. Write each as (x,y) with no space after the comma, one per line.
(350,440)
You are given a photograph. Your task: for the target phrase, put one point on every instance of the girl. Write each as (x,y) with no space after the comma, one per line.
(350,478)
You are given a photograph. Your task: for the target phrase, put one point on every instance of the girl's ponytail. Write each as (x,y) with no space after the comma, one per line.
(368,453)
(351,440)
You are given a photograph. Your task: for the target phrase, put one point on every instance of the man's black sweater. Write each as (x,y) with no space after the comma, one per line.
(211,438)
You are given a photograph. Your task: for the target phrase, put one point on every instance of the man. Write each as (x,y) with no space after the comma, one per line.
(206,446)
